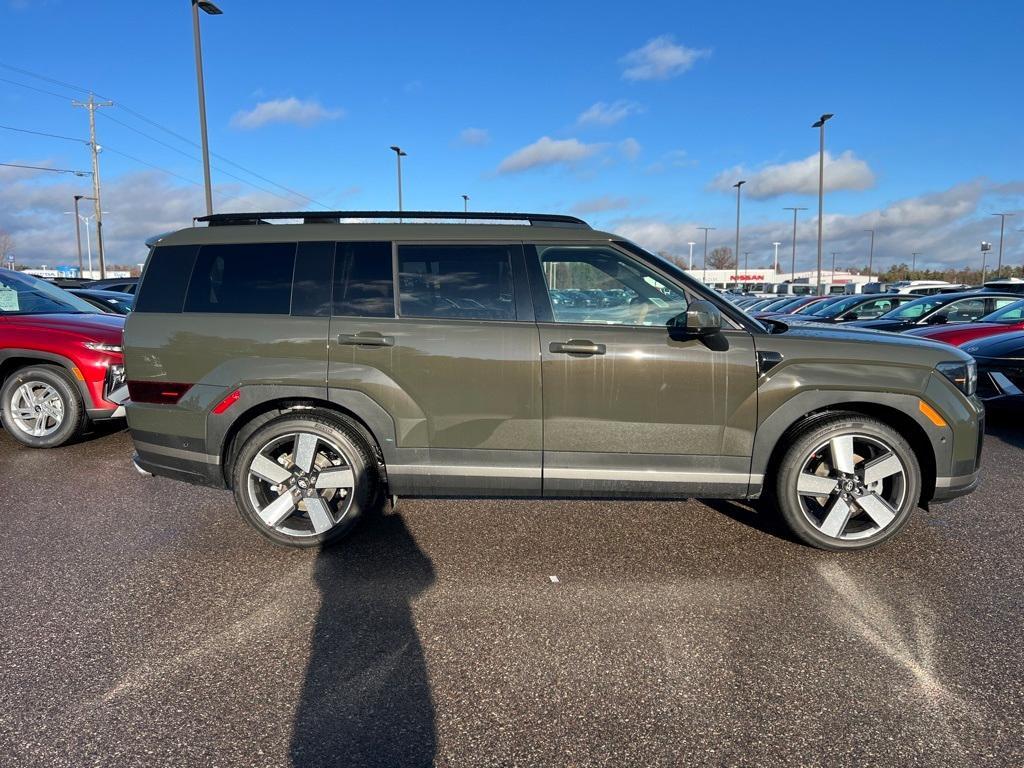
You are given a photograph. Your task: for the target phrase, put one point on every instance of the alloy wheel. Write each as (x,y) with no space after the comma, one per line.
(852,487)
(301,484)
(37,408)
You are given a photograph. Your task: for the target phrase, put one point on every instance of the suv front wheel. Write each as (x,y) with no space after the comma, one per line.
(304,480)
(849,483)
(40,407)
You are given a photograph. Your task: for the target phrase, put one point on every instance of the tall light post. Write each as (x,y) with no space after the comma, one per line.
(985,248)
(1002,226)
(775,261)
(691,244)
(833,278)
(871,252)
(739,184)
(913,261)
(746,261)
(88,237)
(212,10)
(820,124)
(465,203)
(706,230)
(78,232)
(399,154)
(792,270)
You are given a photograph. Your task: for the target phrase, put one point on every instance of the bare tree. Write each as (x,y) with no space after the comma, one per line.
(720,258)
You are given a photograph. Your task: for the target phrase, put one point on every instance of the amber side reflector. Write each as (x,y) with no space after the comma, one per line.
(159,392)
(78,373)
(931,413)
(227,402)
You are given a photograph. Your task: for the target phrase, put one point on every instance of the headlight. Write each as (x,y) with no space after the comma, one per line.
(99,346)
(963,375)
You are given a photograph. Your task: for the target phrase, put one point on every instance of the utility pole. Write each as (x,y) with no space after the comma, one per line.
(739,184)
(792,271)
(1002,226)
(706,230)
(820,124)
(92,105)
(871,252)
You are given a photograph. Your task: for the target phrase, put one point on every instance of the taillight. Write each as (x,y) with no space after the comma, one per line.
(159,392)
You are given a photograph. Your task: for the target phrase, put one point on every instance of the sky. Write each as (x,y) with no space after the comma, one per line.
(638,117)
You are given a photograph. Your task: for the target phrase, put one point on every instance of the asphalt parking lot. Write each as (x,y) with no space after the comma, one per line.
(144,624)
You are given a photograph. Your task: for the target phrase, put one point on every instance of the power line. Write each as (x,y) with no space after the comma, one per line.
(44,168)
(156,124)
(33,88)
(155,167)
(41,133)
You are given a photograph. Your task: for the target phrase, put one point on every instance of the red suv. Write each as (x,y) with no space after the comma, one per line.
(61,364)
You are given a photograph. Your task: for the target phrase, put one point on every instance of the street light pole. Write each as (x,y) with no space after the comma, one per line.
(691,244)
(775,261)
(399,154)
(985,248)
(465,203)
(1002,226)
(792,271)
(746,261)
(738,185)
(78,231)
(212,10)
(820,124)
(913,261)
(706,230)
(871,252)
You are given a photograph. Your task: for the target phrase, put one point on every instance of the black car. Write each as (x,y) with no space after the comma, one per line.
(1000,366)
(964,307)
(119,284)
(857,307)
(114,302)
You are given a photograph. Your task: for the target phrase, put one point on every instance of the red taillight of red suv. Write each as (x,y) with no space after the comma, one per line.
(158,392)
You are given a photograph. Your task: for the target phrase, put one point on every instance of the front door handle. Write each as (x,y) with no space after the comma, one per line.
(366,340)
(577,347)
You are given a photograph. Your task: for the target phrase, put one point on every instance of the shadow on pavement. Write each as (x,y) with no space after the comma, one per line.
(366,699)
(1004,423)
(758,514)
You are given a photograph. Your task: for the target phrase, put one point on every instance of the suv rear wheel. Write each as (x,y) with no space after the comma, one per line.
(304,480)
(848,483)
(41,407)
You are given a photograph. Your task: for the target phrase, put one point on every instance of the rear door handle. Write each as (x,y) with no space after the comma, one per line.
(366,340)
(577,347)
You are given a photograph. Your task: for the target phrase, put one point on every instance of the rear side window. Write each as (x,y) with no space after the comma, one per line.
(242,279)
(363,282)
(163,286)
(311,286)
(463,282)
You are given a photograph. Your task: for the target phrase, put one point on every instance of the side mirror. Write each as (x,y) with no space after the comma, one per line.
(701,318)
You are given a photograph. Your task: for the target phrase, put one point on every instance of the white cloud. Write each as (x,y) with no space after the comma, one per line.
(945,227)
(660,59)
(547,151)
(473,137)
(290,110)
(799,177)
(630,148)
(604,113)
(601,204)
(140,205)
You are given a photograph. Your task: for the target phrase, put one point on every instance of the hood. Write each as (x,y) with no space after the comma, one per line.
(878,324)
(942,332)
(847,332)
(102,327)
(1010,345)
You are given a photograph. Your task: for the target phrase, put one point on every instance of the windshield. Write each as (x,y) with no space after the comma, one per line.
(915,309)
(836,308)
(1011,313)
(22,294)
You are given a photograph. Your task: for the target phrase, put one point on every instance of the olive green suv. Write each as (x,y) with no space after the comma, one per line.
(316,367)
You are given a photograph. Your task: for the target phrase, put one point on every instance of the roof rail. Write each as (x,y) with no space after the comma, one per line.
(335,217)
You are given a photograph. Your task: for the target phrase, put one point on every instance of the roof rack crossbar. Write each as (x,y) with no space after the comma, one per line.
(315,217)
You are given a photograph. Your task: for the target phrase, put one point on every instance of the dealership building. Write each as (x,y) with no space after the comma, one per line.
(768,280)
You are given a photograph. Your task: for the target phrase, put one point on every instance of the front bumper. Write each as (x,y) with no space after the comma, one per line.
(949,488)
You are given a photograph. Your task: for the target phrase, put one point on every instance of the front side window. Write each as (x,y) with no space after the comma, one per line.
(26,295)
(588,284)
(914,309)
(1012,313)
(964,311)
(242,279)
(459,282)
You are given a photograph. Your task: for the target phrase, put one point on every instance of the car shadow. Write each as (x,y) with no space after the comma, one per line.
(1003,423)
(366,700)
(758,514)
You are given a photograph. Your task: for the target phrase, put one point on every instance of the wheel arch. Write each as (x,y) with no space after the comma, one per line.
(13,360)
(364,415)
(770,455)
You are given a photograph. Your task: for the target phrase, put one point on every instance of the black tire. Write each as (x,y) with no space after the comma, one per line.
(74,417)
(805,514)
(336,432)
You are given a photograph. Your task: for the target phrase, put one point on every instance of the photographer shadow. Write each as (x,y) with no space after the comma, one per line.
(366,699)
